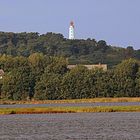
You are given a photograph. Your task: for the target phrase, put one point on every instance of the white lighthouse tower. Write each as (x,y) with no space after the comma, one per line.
(71,30)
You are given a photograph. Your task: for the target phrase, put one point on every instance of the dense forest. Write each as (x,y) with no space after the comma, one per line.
(76,51)
(45,77)
(35,67)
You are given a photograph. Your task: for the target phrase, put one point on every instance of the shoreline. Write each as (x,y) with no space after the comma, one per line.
(51,110)
(93,100)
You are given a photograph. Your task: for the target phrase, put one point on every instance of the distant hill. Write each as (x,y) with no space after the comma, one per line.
(77,51)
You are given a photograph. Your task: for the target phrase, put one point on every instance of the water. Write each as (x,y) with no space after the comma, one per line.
(71,104)
(78,126)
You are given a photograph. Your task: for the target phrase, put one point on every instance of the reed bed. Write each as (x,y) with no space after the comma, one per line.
(93,100)
(45,110)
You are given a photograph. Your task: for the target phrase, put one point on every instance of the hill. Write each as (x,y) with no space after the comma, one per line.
(77,51)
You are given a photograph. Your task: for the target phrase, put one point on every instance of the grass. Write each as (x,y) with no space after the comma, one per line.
(45,110)
(93,100)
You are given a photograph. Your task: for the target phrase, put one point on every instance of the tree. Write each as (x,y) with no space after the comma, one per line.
(15,83)
(58,65)
(48,87)
(38,62)
(129,52)
(102,45)
(124,78)
(137,80)
(75,83)
(52,44)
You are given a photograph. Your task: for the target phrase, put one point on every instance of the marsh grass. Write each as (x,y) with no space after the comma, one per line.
(94,100)
(45,110)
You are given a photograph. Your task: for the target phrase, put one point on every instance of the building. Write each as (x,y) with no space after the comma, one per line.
(71,31)
(1,73)
(102,66)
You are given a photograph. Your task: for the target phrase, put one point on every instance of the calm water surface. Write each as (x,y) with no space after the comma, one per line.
(78,126)
(71,104)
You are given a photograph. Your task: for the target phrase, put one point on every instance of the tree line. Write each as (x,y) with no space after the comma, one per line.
(78,51)
(43,77)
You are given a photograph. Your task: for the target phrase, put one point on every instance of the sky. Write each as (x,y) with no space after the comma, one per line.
(115,21)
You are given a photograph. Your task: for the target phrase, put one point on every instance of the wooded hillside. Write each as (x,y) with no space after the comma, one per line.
(79,51)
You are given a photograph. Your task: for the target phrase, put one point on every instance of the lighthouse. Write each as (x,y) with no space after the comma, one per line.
(71,30)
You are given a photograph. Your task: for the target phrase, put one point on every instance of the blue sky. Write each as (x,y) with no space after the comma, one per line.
(115,21)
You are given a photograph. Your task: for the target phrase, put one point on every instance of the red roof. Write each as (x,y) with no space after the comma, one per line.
(72,23)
